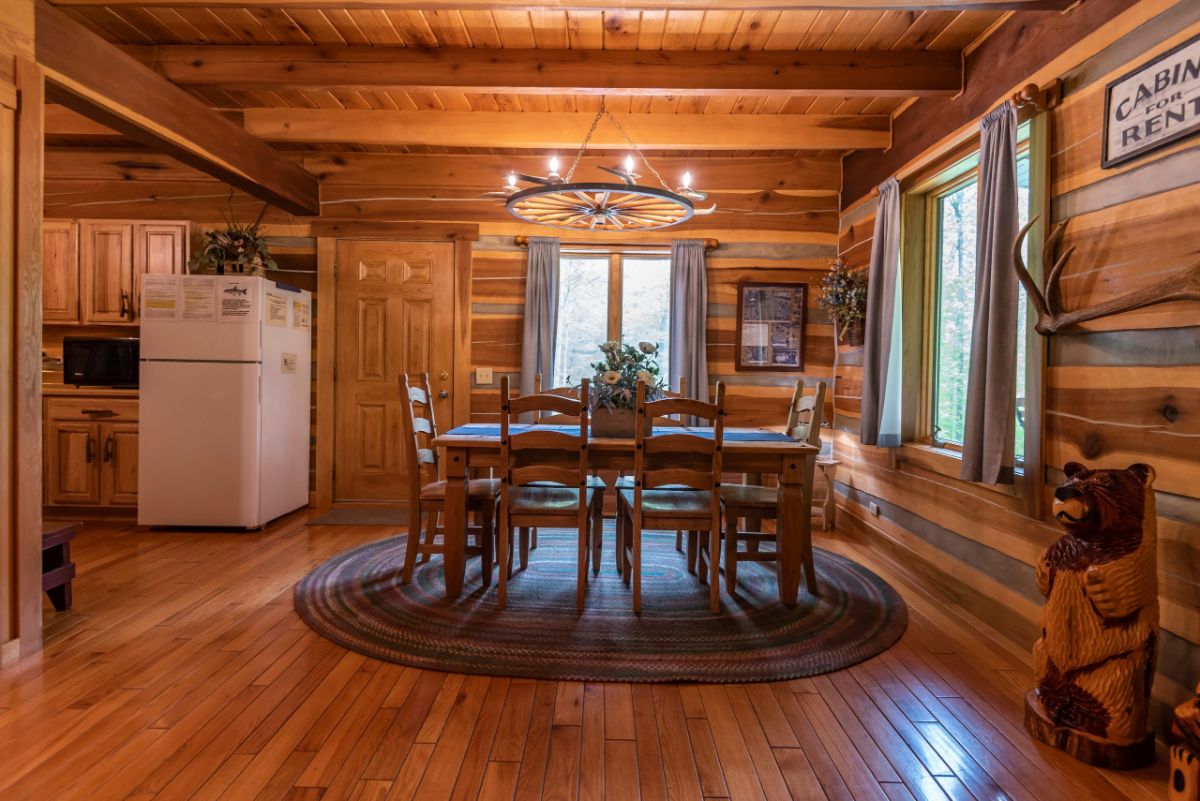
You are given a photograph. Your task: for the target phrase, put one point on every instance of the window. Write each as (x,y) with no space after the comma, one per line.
(950,243)
(626,297)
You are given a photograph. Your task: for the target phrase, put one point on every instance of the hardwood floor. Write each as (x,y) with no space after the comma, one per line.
(184,673)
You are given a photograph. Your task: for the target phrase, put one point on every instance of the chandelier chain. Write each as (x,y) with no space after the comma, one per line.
(604,112)
(586,140)
(636,149)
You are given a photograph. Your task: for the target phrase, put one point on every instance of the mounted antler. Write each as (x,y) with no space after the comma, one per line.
(1051,319)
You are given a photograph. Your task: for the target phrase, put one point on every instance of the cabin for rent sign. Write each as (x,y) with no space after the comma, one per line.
(1154,105)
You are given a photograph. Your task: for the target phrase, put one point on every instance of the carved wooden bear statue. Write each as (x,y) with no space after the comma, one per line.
(1095,660)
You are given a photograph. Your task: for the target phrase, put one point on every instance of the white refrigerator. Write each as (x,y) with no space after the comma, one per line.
(224,400)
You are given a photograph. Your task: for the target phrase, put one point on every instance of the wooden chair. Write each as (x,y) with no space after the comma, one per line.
(544,477)
(626,482)
(595,482)
(427,494)
(755,503)
(689,463)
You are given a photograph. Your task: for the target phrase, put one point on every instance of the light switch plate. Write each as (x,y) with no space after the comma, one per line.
(483,376)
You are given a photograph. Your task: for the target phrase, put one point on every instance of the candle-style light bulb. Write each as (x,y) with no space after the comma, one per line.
(554,165)
(687,180)
(512,180)
(629,164)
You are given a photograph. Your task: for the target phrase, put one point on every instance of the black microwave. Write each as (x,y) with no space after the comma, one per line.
(100,362)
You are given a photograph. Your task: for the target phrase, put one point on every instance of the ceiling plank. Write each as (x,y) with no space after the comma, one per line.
(567,129)
(531,71)
(605,5)
(94,78)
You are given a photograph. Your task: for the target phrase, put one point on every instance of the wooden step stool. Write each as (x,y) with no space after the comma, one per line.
(57,567)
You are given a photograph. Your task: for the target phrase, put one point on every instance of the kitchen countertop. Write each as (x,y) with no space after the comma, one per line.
(50,390)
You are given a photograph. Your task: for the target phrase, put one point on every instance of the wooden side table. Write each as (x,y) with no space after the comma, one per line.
(57,568)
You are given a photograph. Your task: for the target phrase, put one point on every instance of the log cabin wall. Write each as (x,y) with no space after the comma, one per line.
(1124,389)
(754,398)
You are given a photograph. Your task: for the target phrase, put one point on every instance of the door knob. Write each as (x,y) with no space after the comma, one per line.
(444,375)
(443,394)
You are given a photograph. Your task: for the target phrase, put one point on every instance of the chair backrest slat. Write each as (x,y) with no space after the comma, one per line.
(418,429)
(544,402)
(567,476)
(696,479)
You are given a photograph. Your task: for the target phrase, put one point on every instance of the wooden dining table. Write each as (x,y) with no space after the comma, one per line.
(744,450)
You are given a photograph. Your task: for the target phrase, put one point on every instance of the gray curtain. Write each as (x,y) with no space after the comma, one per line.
(689,316)
(881,351)
(541,313)
(991,388)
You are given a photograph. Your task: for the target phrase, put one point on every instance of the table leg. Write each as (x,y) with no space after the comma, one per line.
(794,539)
(454,521)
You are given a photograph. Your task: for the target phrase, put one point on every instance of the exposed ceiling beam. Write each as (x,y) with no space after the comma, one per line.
(810,174)
(815,174)
(618,72)
(92,77)
(610,5)
(566,130)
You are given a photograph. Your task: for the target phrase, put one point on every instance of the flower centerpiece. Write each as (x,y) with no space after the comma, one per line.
(844,296)
(614,386)
(236,248)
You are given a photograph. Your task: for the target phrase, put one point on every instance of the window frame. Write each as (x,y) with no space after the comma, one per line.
(919,288)
(616,264)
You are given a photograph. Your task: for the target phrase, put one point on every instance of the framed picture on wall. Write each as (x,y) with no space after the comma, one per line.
(770,326)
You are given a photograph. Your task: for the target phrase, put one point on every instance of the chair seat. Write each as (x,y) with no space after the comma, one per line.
(672,502)
(750,496)
(549,499)
(476,488)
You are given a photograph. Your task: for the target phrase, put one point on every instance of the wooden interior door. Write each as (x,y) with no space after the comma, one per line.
(119,464)
(60,271)
(107,266)
(395,313)
(72,463)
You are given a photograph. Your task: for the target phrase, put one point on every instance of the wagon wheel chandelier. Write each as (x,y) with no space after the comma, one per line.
(561,202)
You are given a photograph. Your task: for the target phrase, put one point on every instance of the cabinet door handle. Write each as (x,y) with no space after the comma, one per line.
(110,445)
(124,303)
(91,450)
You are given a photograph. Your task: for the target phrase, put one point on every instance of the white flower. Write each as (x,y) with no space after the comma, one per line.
(648,347)
(611,377)
(643,375)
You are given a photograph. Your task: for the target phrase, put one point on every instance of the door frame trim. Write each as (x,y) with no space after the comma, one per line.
(326,323)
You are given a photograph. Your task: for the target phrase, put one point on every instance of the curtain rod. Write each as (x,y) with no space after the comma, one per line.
(523,241)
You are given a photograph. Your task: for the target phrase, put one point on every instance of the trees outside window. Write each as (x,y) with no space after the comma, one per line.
(615,296)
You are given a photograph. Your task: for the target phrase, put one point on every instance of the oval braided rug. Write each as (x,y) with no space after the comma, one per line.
(356,599)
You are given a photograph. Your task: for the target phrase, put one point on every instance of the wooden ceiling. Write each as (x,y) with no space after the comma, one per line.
(551,29)
(701,88)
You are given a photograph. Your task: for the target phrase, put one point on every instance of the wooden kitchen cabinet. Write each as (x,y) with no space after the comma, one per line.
(91,452)
(119,464)
(107,267)
(72,471)
(93,268)
(60,271)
